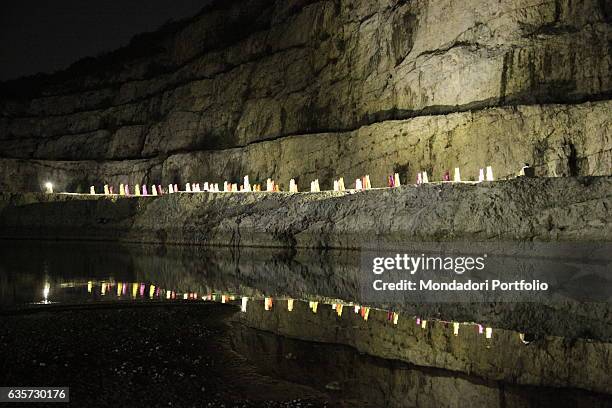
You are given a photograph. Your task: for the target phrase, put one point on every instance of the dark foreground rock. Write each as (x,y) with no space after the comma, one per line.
(540,209)
(166,356)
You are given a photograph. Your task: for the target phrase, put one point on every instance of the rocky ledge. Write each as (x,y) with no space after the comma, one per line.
(536,209)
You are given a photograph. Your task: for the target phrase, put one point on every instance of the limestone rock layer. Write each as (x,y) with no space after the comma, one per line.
(321,89)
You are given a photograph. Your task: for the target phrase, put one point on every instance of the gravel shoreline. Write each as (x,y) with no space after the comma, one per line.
(156,356)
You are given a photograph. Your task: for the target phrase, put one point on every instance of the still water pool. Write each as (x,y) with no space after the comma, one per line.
(184,326)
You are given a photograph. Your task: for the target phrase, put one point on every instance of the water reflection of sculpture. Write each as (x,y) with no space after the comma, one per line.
(268,303)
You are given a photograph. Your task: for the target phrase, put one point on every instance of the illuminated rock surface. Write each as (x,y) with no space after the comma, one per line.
(541,209)
(325,89)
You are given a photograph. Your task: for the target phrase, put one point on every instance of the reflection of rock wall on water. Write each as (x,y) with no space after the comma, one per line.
(569,342)
(329,276)
(546,361)
(392,384)
(318,89)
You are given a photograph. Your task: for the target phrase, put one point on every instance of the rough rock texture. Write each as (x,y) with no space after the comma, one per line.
(311,89)
(545,209)
(549,361)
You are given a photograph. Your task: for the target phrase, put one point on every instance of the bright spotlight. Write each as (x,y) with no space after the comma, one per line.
(46,291)
(49,187)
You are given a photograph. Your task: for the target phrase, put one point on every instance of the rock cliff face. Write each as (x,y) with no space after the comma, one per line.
(538,209)
(318,89)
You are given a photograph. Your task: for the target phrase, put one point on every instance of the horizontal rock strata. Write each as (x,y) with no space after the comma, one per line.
(317,88)
(504,138)
(549,361)
(548,209)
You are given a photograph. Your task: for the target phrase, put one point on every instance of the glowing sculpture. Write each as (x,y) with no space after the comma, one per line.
(336,188)
(106,190)
(160,190)
(103,290)
(425,178)
(314,186)
(356,309)
(243,307)
(137,190)
(367,184)
(457,177)
(293,188)
(89,286)
(395,317)
(134,289)
(92,190)
(358,185)
(234,187)
(121,189)
(290,305)
(490,173)
(396,180)
(456,328)
(419,178)
(188,187)
(168,293)
(142,288)
(527,171)
(223,299)
(49,187)
(46,290)
(170,189)
(127,190)
(246,185)
(423,324)
(339,309)
(481,176)
(313,306)
(151,291)
(488,332)
(144,190)
(153,190)
(119,287)
(267,303)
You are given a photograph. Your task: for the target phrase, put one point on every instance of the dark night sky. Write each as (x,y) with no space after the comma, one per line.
(47,35)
